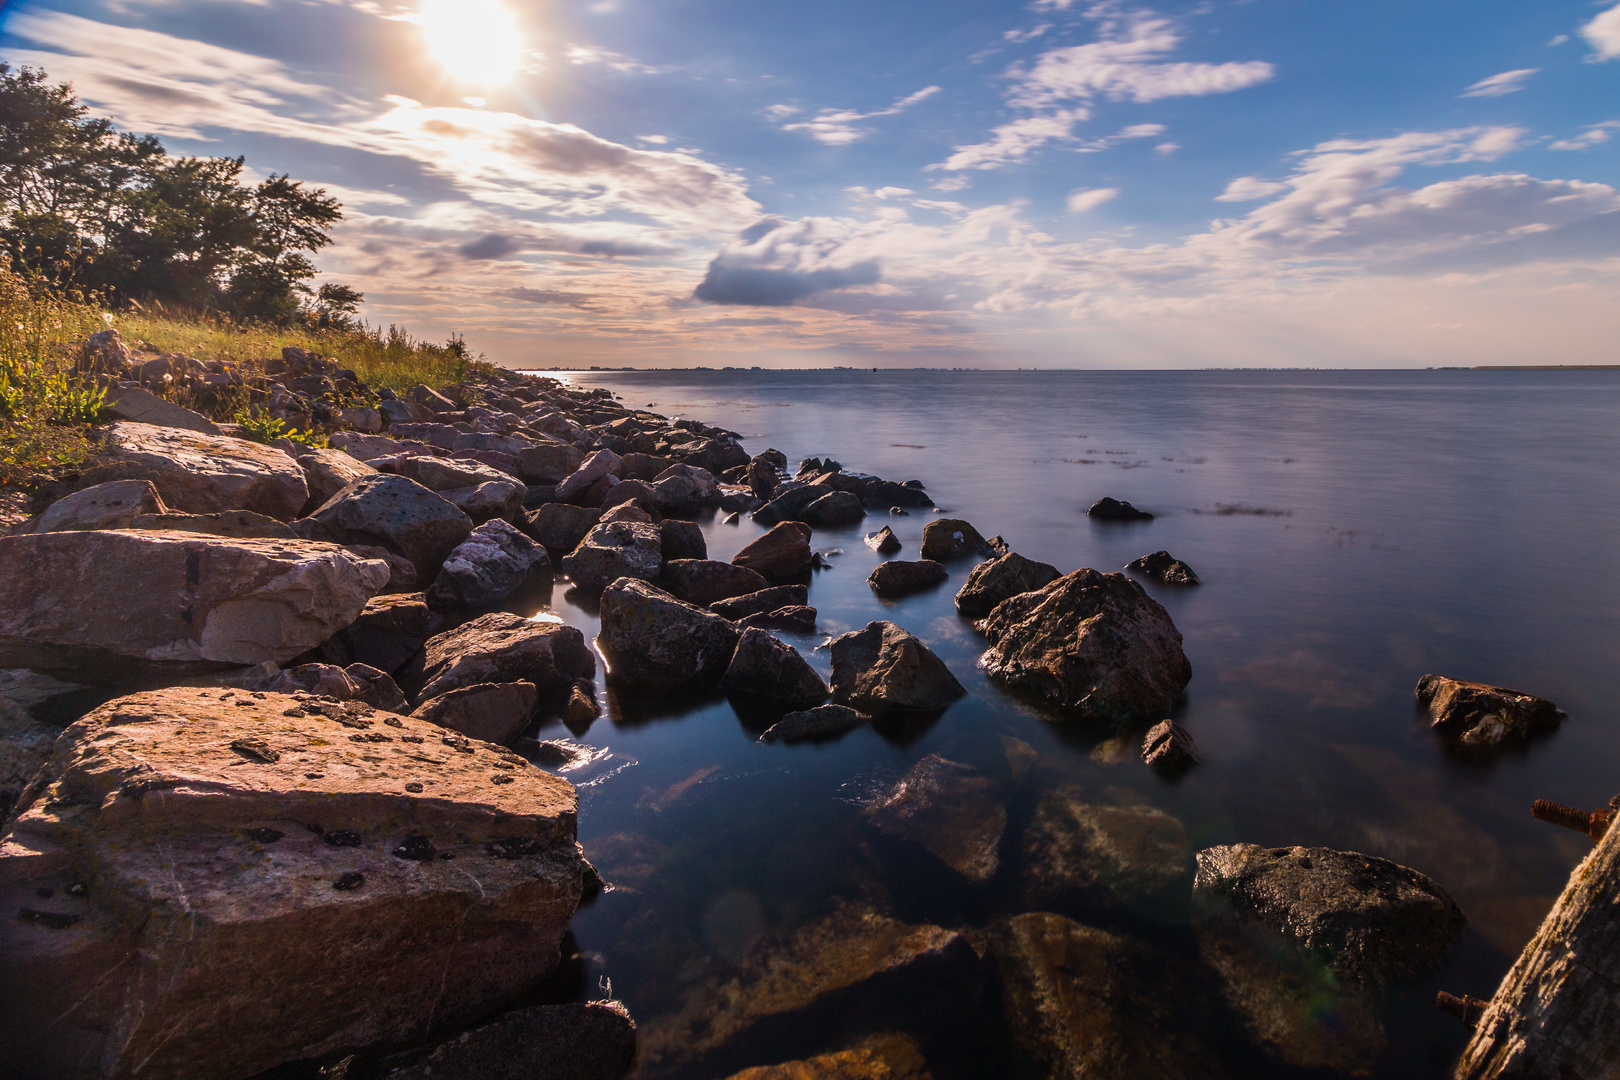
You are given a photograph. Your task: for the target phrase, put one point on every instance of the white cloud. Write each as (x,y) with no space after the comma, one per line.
(656,140)
(1508,82)
(1015,141)
(593,54)
(1603,33)
(1595,135)
(1089,198)
(1018,37)
(1165,149)
(836,127)
(1557,40)
(1249,188)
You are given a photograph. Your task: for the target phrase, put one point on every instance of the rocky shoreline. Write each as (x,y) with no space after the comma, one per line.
(307,841)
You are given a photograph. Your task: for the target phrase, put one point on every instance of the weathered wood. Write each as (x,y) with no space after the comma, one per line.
(1557,1014)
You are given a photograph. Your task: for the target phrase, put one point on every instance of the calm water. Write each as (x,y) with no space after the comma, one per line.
(1353,531)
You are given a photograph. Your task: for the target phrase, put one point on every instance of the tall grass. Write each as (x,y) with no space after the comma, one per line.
(45,406)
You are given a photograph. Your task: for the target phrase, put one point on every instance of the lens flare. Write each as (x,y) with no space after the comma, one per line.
(476,40)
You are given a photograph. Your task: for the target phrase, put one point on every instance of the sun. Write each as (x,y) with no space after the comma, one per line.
(475,40)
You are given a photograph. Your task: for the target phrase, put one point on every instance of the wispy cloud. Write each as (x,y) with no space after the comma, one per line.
(836,127)
(1596,135)
(1603,33)
(1508,82)
(1250,188)
(1089,199)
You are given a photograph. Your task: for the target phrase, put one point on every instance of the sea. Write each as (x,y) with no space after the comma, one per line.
(1353,531)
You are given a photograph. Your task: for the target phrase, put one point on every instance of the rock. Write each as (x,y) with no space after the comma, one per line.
(560,526)
(790,502)
(445,474)
(233,841)
(548,463)
(884,542)
(769,668)
(897,578)
(883,668)
(31,690)
(1162,566)
(1081,1002)
(144,407)
(1482,715)
(582,708)
(886,494)
(376,688)
(1077,854)
(396,512)
(490,501)
(494,562)
(629,512)
(357,682)
(613,550)
(644,467)
(593,1041)
(502,647)
(25,745)
(1107,509)
(822,722)
(361,419)
(1093,643)
(493,712)
(112,505)
(796,618)
(599,464)
(426,395)
(1169,749)
(681,540)
(328,472)
(635,492)
(889,1056)
(998,546)
(651,638)
(372,447)
(704,581)
(105,351)
(685,489)
(838,508)
(205,600)
(241,524)
(990,583)
(952,538)
(388,631)
(781,554)
(765,600)
(764,473)
(203,474)
(953,811)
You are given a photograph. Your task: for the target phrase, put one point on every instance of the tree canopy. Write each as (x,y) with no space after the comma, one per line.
(86,205)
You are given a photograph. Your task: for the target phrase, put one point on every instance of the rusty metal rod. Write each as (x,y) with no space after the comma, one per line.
(1464,1007)
(1593,823)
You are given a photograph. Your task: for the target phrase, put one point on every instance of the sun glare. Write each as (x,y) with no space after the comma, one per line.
(476,40)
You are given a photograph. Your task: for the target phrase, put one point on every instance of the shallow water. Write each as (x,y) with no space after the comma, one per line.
(1353,531)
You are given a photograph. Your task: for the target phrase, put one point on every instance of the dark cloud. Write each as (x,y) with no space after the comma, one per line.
(551,297)
(763,287)
(489,246)
(498,245)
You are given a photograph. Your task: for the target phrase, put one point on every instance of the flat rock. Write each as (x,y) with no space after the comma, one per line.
(1110,509)
(1164,567)
(955,812)
(144,407)
(613,550)
(767,667)
(1482,715)
(548,462)
(328,471)
(203,474)
(1169,749)
(201,599)
(889,1056)
(1078,854)
(898,578)
(30,689)
(765,600)
(795,618)
(990,583)
(494,562)
(884,668)
(884,542)
(388,631)
(651,638)
(952,538)
(112,505)
(560,526)
(783,553)
(230,840)
(447,474)
(705,581)
(396,512)
(494,712)
(821,722)
(242,524)
(1093,643)
(593,1041)
(502,647)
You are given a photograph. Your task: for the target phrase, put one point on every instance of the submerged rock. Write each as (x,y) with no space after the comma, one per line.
(822,722)
(705,581)
(1162,566)
(1109,509)
(203,474)
(783,553)
(1080,855)
(952,538)
(502,647)
(1169,749)
(767,667)
(1484,715)
(651,638)
(884,542)
(494,562)
(593,1041)
(613,550)
(493,712)
(897,578)
(370,878)
(953,811)
(884,668)
(991,582)
(112,505)
(399,513)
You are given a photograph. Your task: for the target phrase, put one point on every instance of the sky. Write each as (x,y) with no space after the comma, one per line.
(957,183)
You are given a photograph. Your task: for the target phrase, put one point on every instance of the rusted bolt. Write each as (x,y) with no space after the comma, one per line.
(1593,823)
(1465,1007)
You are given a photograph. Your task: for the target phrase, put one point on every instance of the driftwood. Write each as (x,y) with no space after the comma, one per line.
(1557,1014)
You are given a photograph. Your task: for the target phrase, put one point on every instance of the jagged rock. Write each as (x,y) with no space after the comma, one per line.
(1162,566)
(274,843)
(822,722)
(426,395)
(201,599)
(241,524)
(203,474)
(1169,749)
(1093,643)
(791,500)
(25,744)
(991,582)
(884,542)
(140,406)
(952,538)
(494,562)
(1484,715)
(494,712)
(684,489)
(767,667)
(954,811)
(356,682)
(30,689)
(889,1056)
(328,472)
(681,540)
(361,418)
(600,464)
(704,581)
(646,467)
(401,571)
(882,668)
(795,618)
(372,447)
(651,638)
(548,463)
(898,578)
(502,647)
(1108,509)
(593,1041)
(612,550)
(764,473)
(396,512)
(489,501)
(388,631)
(112,505)
(560,526)
(783,553)
(446,474)
(582,709)
(765,600)
(635,492)
(838,508)
(1076,853)
(105,351)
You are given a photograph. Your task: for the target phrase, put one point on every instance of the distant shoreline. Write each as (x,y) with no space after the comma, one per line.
(1477,367)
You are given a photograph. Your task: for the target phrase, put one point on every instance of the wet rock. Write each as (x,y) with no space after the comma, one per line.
(1082,1003)
(25,744)
(1107,509)
(112,505)
(1162,566)
(897,578)
(681,540)
(144,407)
(494,712)
(651,638)
(884,494)
(242,524)
(600,464)
(767,667)
(593,1041)
(889,1056)
(548,463)
(328,472)
(232,841)
(795,618)
(991,582)
(502,647)
(203,474)
(494,562)
(884,542)
(1079,854)
(201,599)
(1482,715)
(1093,643)
(782,554)
(388,631)
(829,511)
(764,473)
(612,550)
(685,489)
(822,722)
(952,538)
(399,513)
(884,668)
(495,499)
(790,502)
(953,811)
(704,581)
(763,601)
(560,526)
(1169,748)
(582,709)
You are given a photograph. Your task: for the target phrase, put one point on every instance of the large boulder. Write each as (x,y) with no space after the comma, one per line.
(487,501)
(705,581)
(195,599)
(955,812)
(685,489)
(1111,509)
(388,631)
(277,878)
(141,406)
(600,464)
(1082,854)
(837,508)
(822,722)
(201,474)
(447,474)
(782,554)
(560,526)
(548,462)
(790,502)
(328,472)
(767,667)
(884,668)
(1482,715)
(494,562)
(990,583)
(241,524)
(592,1041)
(896,578)
(396,512)
(651,638)
(613,550)
(493,712)
(952,538)
(682,540)
(502,647)
(1093,643)
(112,505)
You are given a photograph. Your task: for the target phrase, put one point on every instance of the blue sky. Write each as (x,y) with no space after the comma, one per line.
(956,182)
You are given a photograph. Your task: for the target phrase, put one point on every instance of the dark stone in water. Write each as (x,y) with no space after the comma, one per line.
(767,667)
(884,668)
(952,538)
(899,578)
(1169,749)
(795,618)
(884,542)
(1162,566)
(1482,715)
(1107,509)
(1080,854)
(990,583)
(593,1041)
(765,600)
(822,722)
